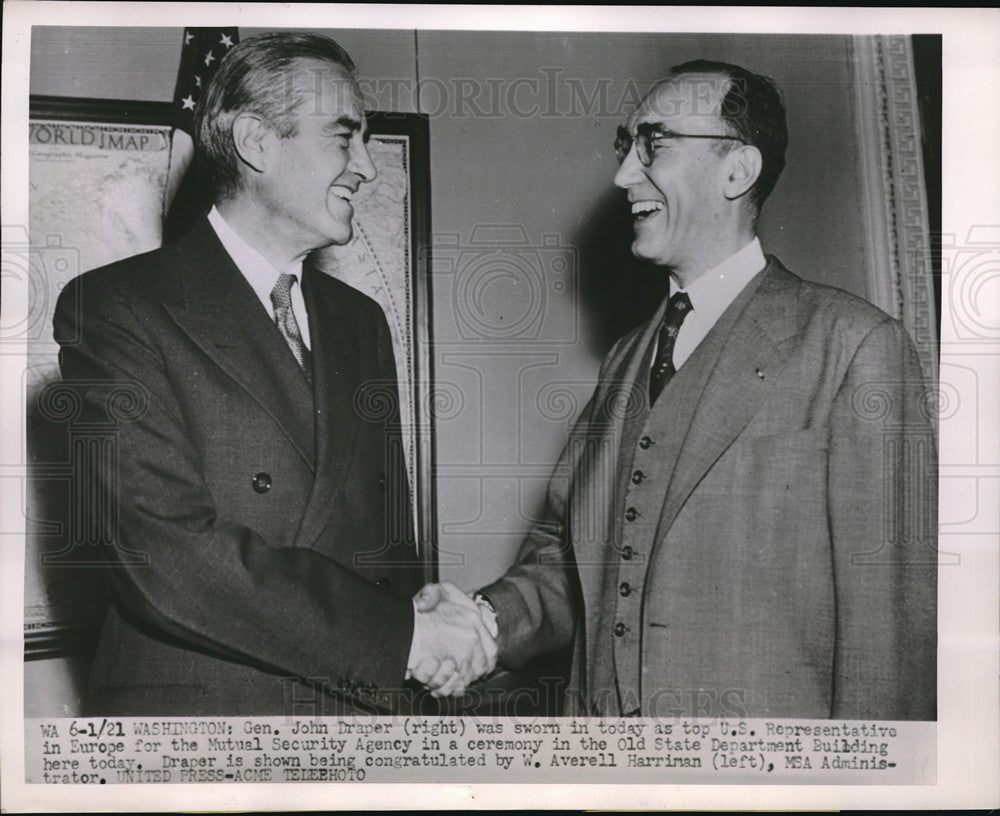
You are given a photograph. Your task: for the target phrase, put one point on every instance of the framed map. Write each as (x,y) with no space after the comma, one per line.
(98,175)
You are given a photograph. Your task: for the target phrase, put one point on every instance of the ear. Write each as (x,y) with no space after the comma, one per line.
(252,136)
(743,169)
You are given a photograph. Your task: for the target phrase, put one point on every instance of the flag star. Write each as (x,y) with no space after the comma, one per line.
(187,102)
(188,36)
(226,41)
(209,57)
(197,81)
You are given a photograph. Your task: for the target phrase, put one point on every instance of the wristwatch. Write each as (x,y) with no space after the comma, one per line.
(488,613)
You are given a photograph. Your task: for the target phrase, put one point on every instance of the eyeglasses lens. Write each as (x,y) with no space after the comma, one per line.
(623,144)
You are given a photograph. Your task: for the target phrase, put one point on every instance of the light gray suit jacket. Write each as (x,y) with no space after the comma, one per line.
(762,542)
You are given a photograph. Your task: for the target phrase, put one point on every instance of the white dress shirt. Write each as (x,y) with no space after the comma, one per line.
(259,272)
(711,295)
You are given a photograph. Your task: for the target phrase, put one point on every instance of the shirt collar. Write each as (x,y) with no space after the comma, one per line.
(259,272)
(712,293)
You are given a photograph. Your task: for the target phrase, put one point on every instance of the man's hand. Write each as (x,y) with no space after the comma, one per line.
(451,644)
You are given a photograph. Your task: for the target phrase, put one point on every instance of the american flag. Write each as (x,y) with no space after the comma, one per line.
(201,53)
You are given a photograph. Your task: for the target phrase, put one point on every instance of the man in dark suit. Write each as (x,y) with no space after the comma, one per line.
(263,550)
(743,522)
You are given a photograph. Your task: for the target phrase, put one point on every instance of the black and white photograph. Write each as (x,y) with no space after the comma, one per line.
(593,410)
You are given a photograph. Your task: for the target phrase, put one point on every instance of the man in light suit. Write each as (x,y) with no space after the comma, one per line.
(259,528)
(743,521)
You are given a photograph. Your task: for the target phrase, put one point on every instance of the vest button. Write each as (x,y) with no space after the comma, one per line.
(637,477)
(645,442)
(626,553)
(625,589)
(620,629)
(381,482)
(631,514)
(262,482)
(382,583)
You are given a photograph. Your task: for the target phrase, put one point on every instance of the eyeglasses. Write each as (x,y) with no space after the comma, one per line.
(645,139)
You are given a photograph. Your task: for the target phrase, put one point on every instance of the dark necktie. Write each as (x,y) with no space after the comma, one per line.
(663,366)
(284,317)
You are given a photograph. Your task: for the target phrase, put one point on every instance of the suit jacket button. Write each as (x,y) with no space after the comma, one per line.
(638,476)
(631,514)
(620,629)
(381,482)
(382,583)
(645,442)
(624,589)
(626,553)
(262,482)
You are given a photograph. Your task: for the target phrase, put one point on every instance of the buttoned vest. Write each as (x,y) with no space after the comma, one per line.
(651,441)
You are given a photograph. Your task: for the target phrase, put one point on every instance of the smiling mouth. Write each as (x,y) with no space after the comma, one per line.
(344,193)
(644,209)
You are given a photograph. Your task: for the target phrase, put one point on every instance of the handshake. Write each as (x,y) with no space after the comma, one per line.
(453,640)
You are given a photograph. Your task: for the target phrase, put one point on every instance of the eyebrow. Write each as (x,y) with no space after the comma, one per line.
(352,124)
(653,128)
(344,121)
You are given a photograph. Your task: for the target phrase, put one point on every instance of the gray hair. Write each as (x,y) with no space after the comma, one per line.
(255,76)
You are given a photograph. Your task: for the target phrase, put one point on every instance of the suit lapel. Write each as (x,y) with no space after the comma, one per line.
(745,371)
(636,379)
(336,359)
(220,312)
(625,384)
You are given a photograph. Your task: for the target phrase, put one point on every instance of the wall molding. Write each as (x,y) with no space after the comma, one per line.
(894,196)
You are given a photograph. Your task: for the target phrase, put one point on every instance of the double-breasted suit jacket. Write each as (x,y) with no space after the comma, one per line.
(260,525)
(762,542)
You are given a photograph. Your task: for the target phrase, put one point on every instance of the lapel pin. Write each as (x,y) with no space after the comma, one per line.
(760,373)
